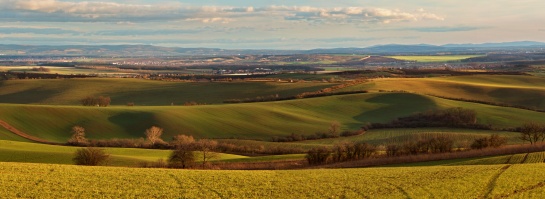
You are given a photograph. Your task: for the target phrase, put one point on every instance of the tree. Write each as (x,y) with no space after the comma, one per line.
(182,157)
(206,147)
(334,129)
(153,134)
(90,156)
(78,137)
(318,155)
(532,132)
(182,140)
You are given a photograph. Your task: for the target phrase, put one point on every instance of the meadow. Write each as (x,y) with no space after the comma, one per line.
(67,181)
(434,58)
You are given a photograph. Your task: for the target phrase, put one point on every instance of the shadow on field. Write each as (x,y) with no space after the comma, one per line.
(394,105)
(35,95)
(134,123)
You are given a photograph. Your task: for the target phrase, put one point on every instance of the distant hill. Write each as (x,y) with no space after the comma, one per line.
(495,45)
(148,50)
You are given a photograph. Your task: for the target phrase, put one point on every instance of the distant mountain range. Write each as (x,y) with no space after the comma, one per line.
(148,50)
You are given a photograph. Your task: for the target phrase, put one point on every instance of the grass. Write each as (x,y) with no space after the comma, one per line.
(525,91)
(142,92)
(437,58)
(66,181)
(250,121)
(12,151)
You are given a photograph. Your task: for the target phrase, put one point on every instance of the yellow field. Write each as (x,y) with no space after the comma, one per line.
(25,180)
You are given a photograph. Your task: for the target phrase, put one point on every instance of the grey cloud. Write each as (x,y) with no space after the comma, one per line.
(44,31)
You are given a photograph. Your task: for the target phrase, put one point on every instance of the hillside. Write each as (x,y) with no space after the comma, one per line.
(251,121)
(527,91)
(142,92)
(490,181)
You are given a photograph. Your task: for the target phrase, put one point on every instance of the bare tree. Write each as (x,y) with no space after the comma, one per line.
(532,132)
(182,140)
(78,137)
(206,147)
(334,129)
(153,134)
(182,157)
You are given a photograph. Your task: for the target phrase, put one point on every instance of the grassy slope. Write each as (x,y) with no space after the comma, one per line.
(254,120)
(11,151)
(141,92)
(490,181)
(516,90)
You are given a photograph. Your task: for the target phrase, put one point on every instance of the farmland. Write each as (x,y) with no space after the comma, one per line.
(12,151)
(253,120)
(60,181)
(524,91)
(436,58)
(142,92)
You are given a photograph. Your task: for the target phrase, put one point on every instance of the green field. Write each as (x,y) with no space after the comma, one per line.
(437,58)
(12,151)
(525,91)
(142,92)
(523,158)
(253,120)
(64,181)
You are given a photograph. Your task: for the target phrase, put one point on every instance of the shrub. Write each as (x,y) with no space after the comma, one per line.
(90,156)
(492,141)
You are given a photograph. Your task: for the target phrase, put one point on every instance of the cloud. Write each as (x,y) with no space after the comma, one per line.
(95,11)
(447,29)
(43,31)
(432,29)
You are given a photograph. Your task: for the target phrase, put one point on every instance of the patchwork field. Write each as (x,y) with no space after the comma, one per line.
(63,181)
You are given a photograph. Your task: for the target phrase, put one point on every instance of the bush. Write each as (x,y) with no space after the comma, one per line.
(492,141)
(90,156)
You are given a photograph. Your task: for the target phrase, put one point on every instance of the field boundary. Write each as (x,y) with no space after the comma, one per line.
(24,135)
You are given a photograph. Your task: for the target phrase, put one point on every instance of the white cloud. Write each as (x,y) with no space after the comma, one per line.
(55,10)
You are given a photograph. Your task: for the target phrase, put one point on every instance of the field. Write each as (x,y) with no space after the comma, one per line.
(142,92)
(12,151)
(438,58)
(253,120)
(523,158)
(65,181)
(525,91)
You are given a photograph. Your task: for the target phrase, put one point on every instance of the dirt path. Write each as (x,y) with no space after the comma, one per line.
(22,134)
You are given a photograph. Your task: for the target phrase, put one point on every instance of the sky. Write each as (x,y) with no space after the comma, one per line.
(270,24)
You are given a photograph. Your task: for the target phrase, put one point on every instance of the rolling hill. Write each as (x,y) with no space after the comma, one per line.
(249,121)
